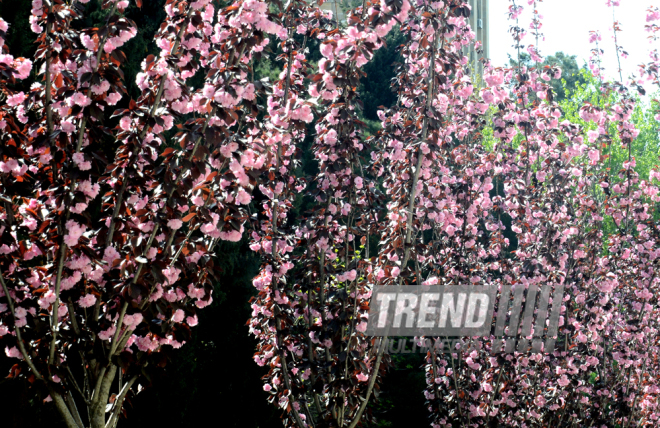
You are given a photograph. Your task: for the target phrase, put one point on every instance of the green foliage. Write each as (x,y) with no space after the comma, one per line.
(266,69)
(20,39)
(583,89)
(375,88)
(645,148)
(572,74)
(371,127)
(148,20)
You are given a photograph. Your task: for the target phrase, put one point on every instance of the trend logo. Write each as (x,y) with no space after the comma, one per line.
(467,311)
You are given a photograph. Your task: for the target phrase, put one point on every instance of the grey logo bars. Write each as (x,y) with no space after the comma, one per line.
(467,310)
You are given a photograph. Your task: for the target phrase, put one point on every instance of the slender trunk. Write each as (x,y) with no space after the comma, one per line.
(97,409)
(418,166)
(47,89)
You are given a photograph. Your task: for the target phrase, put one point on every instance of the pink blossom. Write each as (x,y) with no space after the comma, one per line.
(196,293)
(113,98)
(79,160)
(192,321)
(87,301)
(101,88)
(81,99)
(89,189)
(88,42)
(125,123)
(171,274)
(243,197)
(132,321)
(13,352)
(594,36)
(45,158)
(74,232)
(178,316)
(34,251)
(487,96)
(330,137)
(327,50)
(107,334)
(16,99)
(174,224)
(109,46)
(232,236)
(151,254)
(110,255)
(495,78)
(47,299)
(71,280)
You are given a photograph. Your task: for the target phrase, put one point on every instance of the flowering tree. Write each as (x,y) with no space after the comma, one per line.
(560,195)
(91,302)
(104,262)
(311,321)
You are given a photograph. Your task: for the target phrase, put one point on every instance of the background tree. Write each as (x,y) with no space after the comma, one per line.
(571,77)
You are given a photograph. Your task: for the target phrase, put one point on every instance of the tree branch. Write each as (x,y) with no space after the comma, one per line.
(47,89)
(71,404)
(61,406)
(97,409)
(372,382)
(56,304)
(119,402)
(21,345)
(418,166)
(83,121)
(143,133)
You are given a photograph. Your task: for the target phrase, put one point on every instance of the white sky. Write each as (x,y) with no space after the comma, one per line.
(566,26)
